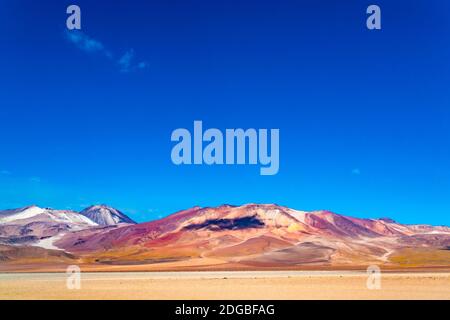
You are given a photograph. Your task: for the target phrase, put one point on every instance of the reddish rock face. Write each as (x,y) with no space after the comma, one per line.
(256,236)
(249,236)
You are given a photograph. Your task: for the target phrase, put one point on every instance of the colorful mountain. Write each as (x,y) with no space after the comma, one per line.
(243,237)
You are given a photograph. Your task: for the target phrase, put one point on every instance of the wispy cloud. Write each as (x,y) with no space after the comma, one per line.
(86,43)
(35,179)
(356,172)
(125,62)
(5,172)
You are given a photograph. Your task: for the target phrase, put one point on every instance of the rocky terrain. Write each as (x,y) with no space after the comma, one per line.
(225,237)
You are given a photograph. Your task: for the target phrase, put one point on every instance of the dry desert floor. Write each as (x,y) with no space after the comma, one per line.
(264,285)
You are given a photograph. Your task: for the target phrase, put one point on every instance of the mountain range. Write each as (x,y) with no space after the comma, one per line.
(40,227)
(248,237)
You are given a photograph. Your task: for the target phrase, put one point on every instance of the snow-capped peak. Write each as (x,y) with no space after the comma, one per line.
(105,215)
(20,214)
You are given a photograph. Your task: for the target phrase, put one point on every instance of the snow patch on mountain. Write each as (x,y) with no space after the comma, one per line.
(49,243)
(21,214)
(70,217)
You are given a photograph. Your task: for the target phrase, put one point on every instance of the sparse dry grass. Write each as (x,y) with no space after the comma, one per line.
(419,257)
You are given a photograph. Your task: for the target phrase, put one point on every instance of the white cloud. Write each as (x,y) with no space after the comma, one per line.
(126,62)
(86,43)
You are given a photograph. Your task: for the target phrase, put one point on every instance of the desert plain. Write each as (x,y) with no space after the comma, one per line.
(254,251)
(234,285)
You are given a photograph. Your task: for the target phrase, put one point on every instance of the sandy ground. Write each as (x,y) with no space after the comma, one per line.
(271,285)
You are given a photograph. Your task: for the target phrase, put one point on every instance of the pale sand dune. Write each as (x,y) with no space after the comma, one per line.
(226,285)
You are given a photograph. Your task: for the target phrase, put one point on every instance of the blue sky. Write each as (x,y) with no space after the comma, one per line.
(363,115)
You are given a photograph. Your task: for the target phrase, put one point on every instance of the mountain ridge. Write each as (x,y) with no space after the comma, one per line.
(255,236)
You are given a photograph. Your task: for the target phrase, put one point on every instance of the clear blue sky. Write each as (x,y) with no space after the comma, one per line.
(363,116)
